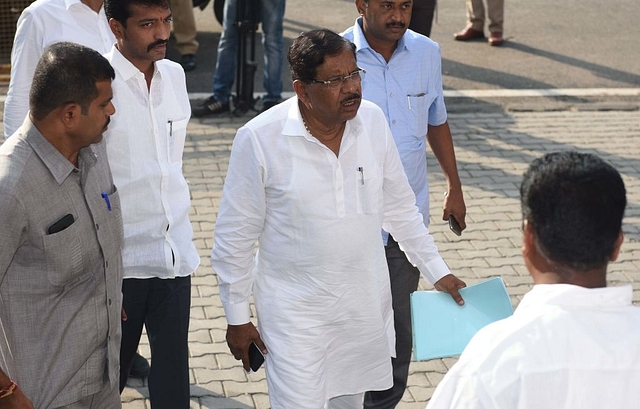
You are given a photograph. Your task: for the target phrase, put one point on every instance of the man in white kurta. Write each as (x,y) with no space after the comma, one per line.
(46,22)
(320,278)
(572,342)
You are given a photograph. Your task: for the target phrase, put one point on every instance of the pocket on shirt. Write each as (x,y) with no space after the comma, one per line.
(63,252)
(115,231)
(177,133)
(418,104)
(369,195)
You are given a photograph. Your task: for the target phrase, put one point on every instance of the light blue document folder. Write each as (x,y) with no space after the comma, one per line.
(442,328)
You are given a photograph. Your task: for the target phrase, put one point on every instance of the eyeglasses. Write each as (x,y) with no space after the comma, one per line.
(336,82)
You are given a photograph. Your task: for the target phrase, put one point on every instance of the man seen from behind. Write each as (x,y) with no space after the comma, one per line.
(572,342)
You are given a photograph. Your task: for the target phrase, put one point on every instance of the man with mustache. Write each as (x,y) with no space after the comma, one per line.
(60,259)
(313,181)
(404,79)
(145,145)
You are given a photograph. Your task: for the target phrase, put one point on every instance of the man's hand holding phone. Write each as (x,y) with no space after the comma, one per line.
(454,225)
(240,339)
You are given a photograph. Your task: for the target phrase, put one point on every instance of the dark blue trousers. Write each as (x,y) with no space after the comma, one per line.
(162,306)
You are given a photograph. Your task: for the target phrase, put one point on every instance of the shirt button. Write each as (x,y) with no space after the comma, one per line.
(109,301)
(106,264)
(391,95)
(97,226)
(393,122)
(339,188)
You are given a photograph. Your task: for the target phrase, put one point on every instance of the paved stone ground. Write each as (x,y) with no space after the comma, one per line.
(493,151)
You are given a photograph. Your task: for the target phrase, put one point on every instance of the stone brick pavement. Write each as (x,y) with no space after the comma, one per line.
(493,150)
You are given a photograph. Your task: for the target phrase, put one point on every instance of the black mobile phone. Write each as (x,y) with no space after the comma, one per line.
(256,359)
(61,224)
(454,225)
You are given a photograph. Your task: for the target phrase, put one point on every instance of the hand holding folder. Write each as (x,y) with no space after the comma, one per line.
(441,328)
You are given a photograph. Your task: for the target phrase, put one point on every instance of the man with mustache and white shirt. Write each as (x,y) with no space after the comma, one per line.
(145,145)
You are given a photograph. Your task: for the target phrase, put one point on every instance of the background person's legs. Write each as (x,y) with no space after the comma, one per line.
(134,303)
(167,324)
(184,31)
(422,16)
(404,280)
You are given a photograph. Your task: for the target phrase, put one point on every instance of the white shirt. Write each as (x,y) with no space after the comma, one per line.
(320,282)
(564,347)
(408,89)
(43,23)
(145,141)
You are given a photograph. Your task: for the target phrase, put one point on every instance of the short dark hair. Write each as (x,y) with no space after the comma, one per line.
(575,204)
(119,9)
(309,50)
(67,73)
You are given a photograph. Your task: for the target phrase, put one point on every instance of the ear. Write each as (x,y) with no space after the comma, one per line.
(360,7)
(70,114)
(528,241)
(116,28)
(301,91)
(616,246)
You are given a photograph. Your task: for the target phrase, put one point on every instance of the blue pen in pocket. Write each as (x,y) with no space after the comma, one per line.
(105,196)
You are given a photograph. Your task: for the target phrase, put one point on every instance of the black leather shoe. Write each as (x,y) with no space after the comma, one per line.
(188,62)
(140,367)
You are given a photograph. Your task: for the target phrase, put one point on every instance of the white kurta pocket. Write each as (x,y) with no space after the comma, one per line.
(177,133)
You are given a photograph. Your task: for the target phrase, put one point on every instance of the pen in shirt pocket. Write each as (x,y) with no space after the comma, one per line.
(170,127)
(409,96)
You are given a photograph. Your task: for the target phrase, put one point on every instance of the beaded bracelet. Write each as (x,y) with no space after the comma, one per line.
(8,390)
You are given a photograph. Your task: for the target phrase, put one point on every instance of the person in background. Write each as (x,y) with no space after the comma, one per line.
(60,259)
(404,79)
(476,13)
(271,17)
(313,181)
(572,342)
(422,16)
(145,146)
(184,31)
(46,22)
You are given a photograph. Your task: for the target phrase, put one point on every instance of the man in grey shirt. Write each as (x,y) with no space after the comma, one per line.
(60,260)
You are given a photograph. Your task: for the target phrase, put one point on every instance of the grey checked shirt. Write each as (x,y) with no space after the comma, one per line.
(60,292)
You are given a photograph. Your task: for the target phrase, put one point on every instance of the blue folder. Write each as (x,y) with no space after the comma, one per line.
(442,328)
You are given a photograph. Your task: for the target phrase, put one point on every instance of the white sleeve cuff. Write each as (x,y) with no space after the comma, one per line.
(237,314)
(435,269)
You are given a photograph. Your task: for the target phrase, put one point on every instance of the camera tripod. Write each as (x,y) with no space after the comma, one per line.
(247,20)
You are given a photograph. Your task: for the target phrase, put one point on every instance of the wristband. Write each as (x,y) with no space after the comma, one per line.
(8,390)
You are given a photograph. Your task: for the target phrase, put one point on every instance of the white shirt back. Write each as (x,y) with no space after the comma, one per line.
(565,347)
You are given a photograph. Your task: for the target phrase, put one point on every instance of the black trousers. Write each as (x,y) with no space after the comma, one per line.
(404,280)
(422,16)
(162,306)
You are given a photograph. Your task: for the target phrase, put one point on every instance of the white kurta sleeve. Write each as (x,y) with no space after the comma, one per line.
(26,52)
(239,225)
(403,220)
